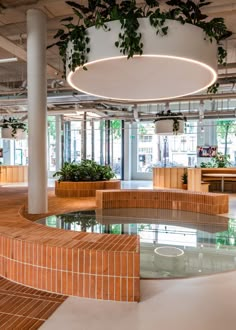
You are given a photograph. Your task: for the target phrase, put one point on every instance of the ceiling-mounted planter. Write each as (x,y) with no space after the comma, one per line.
(137,51)
(13,128)
(7,133)
(165,127)
(169,123)
(180,63)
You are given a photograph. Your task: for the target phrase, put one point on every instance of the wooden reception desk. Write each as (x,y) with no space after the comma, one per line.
(168,177)
(13,173)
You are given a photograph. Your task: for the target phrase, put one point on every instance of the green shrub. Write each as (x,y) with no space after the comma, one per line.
(220,161)
(87,170)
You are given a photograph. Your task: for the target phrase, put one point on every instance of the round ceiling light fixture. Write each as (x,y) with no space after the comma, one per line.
(181,63)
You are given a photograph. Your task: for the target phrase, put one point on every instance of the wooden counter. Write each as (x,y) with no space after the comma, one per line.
(168,177)
(13,173)
(198,177)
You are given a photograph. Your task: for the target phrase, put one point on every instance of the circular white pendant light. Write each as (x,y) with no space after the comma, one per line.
(181,63)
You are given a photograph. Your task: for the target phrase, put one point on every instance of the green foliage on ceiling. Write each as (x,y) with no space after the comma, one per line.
(169,115)
(129,41)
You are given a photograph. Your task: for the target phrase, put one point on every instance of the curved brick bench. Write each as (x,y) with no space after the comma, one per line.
(100,266)
(83,189)
(207,203)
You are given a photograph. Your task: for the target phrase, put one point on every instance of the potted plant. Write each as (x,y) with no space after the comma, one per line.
(219,161)
(129,39)
(169,123)
(86,170)
(184,178)
(83,179)
(13,128)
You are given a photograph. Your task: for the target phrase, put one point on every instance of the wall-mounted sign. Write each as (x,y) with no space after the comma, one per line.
(206,151)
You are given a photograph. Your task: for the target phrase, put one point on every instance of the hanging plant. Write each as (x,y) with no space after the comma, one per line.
(176,117)
(14,124)
(129,41)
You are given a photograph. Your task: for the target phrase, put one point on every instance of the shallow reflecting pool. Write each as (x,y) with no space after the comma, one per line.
(173,243)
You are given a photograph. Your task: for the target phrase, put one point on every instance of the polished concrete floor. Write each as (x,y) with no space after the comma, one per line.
(206,303)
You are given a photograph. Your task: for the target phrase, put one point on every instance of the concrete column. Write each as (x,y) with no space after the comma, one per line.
(102,128)
(84,137)
(107,142)
(58,142)
(127,152)
(92,140)
(8,152)
(37,113)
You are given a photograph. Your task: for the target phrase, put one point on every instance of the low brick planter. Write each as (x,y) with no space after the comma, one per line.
(191,201)
(83,189)
(90,265)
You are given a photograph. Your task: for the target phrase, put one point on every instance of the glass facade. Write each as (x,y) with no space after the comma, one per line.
(102,141)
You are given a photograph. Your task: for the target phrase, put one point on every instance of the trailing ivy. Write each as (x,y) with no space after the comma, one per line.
(129,41)
(15,124)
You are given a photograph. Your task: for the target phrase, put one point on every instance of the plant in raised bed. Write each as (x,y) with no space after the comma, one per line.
(86,170)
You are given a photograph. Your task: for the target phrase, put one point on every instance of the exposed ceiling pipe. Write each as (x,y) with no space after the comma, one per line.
(208,114)
(219,9)
(25,4)
(227,66)
(83,99)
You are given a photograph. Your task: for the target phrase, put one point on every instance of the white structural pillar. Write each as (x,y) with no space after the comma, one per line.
(58,142)
(37,111)
(127,152)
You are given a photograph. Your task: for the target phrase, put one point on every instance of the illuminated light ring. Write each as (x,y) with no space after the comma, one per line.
(167,69)
(157,251)
(207,67)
